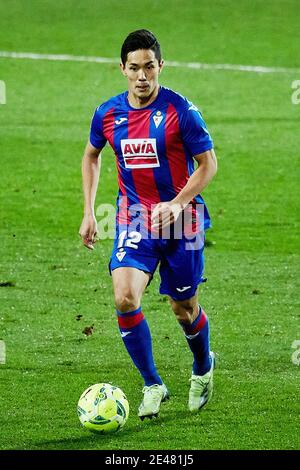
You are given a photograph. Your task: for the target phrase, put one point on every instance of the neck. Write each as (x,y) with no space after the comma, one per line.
(138,102)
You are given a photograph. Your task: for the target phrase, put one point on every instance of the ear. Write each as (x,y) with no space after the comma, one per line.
(161,65)
(123,69)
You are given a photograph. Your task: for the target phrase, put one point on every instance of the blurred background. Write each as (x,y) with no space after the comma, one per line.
(51,289)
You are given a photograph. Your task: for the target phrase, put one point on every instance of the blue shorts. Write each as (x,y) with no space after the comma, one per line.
(181,261)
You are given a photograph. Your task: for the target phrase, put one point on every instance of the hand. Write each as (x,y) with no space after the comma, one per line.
(165,214)
(88,231)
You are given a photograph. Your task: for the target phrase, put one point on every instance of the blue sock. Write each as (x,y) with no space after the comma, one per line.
(138,342)
(197,335)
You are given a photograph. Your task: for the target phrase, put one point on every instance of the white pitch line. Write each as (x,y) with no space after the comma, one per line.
(106,60)
(57,57)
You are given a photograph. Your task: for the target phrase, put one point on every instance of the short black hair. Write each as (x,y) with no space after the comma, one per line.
(140,39)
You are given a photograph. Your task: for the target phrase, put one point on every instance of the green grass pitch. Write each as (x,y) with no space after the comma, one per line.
(252,263)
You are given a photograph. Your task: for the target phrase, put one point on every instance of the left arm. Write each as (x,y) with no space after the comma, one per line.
(166,213)
(207,168)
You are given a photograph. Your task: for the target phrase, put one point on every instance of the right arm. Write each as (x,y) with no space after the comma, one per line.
(91,163)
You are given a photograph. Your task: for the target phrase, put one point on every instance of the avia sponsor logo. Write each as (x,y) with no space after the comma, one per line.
(140,153)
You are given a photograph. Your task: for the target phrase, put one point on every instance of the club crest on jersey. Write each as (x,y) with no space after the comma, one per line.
(140,153)
(157,118)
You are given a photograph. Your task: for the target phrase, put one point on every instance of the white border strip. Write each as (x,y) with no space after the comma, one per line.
(190,65)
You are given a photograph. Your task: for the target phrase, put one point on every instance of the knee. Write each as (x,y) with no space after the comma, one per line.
(126,301)
(184,311)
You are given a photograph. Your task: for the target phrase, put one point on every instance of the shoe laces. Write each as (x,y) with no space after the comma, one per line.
(152,390)
(200,382)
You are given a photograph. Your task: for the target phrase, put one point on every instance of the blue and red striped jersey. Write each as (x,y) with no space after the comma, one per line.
(154,145)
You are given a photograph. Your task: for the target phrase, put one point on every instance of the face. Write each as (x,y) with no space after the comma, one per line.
(142,70)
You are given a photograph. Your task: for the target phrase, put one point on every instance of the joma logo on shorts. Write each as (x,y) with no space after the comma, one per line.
(139,153)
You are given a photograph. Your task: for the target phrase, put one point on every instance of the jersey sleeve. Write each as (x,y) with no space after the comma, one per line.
(194,131)
(97,138)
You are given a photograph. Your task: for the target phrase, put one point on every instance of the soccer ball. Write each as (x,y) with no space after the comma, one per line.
(103,408)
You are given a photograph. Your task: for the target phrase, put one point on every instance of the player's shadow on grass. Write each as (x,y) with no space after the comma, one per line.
(92,440)
(89,440)
(114,441)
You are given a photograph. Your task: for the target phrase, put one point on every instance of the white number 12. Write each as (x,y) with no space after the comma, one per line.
(133,239)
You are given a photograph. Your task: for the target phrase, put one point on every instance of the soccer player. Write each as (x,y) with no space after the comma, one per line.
(157,135)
